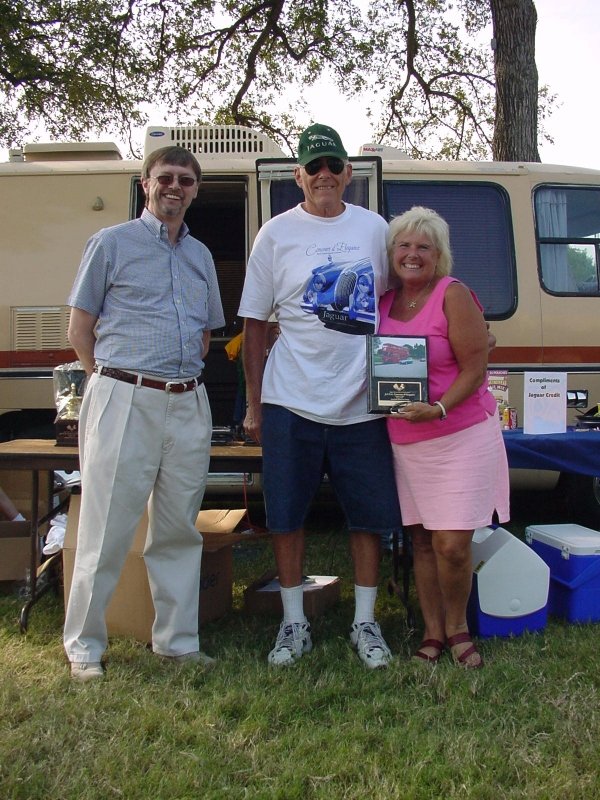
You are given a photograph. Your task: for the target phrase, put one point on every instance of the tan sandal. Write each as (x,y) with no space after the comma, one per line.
(435,644)
(462,659)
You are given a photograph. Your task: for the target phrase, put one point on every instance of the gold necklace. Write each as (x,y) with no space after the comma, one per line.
(413,303)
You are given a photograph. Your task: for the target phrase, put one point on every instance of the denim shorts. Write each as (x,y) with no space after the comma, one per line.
(357,458)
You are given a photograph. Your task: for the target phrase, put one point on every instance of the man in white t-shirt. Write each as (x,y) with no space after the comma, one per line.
(315,267)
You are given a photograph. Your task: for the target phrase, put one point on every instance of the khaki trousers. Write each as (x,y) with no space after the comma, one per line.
(138,447)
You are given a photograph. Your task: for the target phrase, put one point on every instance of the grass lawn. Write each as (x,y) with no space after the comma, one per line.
(526,726)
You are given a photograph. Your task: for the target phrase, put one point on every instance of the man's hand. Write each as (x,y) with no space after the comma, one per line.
(255,342)
(81,336)
(253,422)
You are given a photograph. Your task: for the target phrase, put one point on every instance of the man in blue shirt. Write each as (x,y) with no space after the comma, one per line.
(142,309)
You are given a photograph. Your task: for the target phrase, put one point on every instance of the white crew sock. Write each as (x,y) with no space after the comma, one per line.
(293,605)
(364,610)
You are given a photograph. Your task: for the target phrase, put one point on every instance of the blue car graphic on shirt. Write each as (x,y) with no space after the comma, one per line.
(342,295)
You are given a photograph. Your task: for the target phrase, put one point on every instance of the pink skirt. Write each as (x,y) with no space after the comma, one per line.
(454,482)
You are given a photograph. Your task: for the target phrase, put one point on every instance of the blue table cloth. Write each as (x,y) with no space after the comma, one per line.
(577,450)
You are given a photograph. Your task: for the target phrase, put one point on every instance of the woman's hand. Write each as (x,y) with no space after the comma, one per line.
(418,412)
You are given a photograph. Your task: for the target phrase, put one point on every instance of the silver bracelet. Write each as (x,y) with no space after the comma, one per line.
(443,407)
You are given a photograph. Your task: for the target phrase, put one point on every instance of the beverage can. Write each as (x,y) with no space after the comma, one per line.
(509,418)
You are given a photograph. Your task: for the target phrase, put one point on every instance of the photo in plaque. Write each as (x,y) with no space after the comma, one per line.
(396,371)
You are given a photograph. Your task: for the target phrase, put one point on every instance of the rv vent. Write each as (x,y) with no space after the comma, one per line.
(213,140)
(71,151)
(39,327)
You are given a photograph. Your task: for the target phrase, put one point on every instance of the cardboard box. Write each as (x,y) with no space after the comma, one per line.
(130,611)
(14,550)
(572,553)
(509,592)
(320,592)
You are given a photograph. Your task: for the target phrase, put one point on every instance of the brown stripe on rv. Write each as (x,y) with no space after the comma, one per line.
(35,358)
(564,356)
(509,356)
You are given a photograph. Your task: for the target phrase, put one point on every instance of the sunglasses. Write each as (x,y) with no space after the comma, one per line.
(167,180)
(334,165)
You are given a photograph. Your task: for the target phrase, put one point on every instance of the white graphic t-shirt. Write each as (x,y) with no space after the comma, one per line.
(323,278)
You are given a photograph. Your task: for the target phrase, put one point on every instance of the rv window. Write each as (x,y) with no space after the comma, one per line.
(568,235)
(480,234)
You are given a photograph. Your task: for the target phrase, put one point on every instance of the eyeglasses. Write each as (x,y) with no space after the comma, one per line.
(334,165)
(167,180)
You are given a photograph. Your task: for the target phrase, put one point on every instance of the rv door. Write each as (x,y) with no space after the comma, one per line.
(278,191)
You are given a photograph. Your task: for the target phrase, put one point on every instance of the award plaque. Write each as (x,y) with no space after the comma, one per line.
(396,372)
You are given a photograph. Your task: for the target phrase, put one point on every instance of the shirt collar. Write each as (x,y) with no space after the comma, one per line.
(159,229)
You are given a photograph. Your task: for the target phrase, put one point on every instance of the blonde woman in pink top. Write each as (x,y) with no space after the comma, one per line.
(449,456)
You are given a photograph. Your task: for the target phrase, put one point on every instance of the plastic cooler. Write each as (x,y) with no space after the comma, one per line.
(573,554)
(510,586)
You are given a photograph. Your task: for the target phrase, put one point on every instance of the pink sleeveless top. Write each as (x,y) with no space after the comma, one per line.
(442,370)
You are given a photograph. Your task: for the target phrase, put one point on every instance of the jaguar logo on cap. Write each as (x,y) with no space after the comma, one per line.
(320,140)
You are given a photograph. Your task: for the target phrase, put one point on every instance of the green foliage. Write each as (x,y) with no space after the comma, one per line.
(436,85)
(70,64)
(97,65)
(582,265)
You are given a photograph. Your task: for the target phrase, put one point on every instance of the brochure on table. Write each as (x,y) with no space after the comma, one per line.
(545,402)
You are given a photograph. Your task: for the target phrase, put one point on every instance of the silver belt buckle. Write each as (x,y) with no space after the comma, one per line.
(170,384)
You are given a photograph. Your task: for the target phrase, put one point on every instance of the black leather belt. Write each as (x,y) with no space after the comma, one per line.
(165,386)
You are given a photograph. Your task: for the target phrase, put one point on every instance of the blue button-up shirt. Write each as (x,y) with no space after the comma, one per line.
(153,299)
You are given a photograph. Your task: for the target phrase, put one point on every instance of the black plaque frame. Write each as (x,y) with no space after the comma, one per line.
(396,371)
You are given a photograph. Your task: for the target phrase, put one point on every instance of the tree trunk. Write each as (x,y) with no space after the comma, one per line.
(515,129)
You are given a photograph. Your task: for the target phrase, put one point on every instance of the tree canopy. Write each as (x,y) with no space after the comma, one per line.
(435,88)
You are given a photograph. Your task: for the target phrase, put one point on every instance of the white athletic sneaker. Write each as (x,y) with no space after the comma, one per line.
(86,670)
(293,640)
(370,645)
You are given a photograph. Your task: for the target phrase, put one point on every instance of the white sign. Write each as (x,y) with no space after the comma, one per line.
(545,402)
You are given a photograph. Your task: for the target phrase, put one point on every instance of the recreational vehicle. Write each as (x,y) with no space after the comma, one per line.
(525,237)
